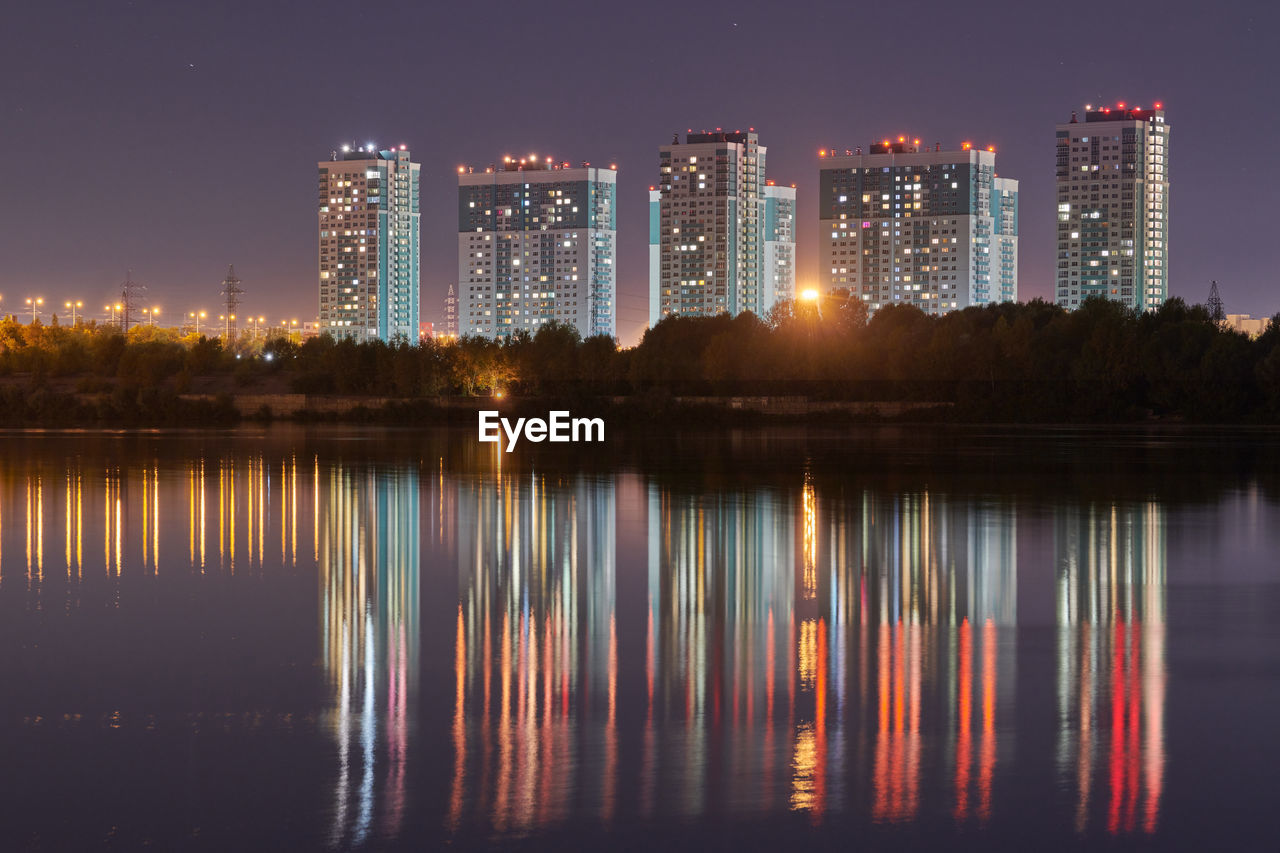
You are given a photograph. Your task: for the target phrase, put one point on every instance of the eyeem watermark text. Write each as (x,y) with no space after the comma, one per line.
(558,427)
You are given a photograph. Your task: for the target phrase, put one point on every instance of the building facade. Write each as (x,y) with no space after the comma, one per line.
(721,239)
(925,227)
(778,281)
(369,244)
(1247,324)
(1113,199)
(537,242)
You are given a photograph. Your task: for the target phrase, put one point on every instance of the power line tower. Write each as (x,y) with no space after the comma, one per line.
(232,292)
(451,313)
(130,292)
(1216,311)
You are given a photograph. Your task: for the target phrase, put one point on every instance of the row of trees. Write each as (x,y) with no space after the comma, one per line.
(1032,361)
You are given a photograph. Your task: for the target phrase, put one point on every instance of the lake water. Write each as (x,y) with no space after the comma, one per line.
(880,638)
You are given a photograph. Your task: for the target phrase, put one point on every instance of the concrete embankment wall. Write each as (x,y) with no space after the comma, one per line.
(288,405)
(792,406)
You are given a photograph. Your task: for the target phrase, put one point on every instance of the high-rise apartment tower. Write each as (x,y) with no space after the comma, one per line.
(721,237)
(1113,207)
(369,244)
(537,242)
(919,226)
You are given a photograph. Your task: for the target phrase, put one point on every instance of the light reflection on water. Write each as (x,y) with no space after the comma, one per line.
(369,577)
(625,649)
(1111,565)
(839,669)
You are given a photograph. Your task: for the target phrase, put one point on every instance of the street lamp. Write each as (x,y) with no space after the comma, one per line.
(151,315)
(811,295)
(196,317)
(117,309)
(256,321)
(34,303)
(74,306)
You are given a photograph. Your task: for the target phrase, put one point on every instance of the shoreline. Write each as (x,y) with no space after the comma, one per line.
(159,408)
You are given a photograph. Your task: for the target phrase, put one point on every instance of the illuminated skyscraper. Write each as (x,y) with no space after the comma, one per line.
(778,280)
(721,239)
(537,241)
(369,268)
(1113,197)
(925,227)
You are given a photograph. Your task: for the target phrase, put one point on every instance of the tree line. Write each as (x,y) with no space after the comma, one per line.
(1011,362)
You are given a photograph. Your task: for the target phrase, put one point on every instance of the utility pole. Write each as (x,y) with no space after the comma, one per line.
(129,293)
(232,292)
(1216,311)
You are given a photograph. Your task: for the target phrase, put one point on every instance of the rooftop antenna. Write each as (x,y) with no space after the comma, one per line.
(129,293)
(1216,312)
(232,291)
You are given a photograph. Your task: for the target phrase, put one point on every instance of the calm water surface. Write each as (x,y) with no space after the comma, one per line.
(878,639)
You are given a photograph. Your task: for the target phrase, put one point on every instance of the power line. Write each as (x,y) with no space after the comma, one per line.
(232,292)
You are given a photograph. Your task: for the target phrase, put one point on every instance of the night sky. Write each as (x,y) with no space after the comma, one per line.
(176,138)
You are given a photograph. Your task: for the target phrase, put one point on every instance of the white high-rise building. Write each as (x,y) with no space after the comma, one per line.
(1113,207)
(369,244)
(778,277)
(537,242)
(919,226)
(721,239)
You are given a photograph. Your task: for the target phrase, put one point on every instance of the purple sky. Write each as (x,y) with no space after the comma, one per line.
(176,138)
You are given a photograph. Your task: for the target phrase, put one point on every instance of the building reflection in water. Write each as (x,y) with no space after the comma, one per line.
(803,648)
(1111,669)
(799,653)
(536,660)
(369,578)
(807,650)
